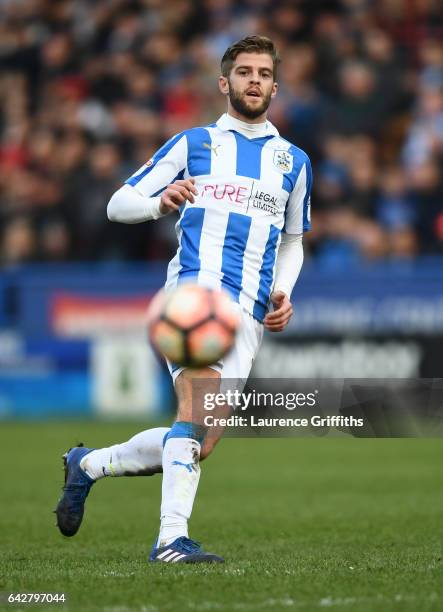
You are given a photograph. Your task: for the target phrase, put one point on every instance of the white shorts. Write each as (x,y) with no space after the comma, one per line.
(238,362)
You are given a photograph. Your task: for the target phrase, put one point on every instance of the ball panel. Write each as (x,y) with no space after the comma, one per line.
(209,342)
(187,306)
(193,326)
(225,310)
(168,340)
(156,307)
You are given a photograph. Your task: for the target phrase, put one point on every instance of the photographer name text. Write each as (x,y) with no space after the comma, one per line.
(252,421)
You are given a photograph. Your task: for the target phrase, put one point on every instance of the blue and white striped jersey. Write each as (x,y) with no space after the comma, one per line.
(249,191)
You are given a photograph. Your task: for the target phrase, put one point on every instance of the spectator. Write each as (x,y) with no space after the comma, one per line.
(425,138)
(89,90)
(427,190)
(396,212)
(19,242)
(359,109)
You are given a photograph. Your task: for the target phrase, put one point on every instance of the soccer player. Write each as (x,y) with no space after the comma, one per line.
(243,197)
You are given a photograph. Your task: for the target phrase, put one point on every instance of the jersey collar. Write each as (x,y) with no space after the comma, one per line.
(226,124)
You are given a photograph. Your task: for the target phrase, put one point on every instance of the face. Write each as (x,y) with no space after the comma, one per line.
(250,86)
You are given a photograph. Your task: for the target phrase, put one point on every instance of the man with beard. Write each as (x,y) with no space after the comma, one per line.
(243,197)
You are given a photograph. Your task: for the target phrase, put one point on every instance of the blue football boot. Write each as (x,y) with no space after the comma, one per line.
(71,505)
(183,550)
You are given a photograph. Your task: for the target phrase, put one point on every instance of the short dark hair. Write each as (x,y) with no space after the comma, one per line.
(250,44)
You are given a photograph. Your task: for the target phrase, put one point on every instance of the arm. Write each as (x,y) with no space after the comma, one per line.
(287,269)
(157,188)
(289,263)
(290,254)
(127,205)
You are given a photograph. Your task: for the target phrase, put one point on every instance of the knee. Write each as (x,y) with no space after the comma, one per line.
(204,453)
(207,447)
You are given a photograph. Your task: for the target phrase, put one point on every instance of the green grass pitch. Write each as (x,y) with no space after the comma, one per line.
(304,524)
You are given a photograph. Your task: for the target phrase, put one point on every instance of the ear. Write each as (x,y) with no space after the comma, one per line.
(223,85)
(274,90)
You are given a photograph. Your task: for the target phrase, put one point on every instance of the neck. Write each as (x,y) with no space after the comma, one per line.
(236,115)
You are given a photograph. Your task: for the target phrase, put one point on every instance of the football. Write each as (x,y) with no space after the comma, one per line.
(192,326)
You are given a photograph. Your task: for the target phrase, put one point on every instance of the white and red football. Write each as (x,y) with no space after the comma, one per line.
(191,325)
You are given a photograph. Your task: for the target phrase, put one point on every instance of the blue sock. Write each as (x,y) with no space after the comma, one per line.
(185,429)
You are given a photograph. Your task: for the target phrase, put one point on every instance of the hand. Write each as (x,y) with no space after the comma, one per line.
(175,194)
(277,320)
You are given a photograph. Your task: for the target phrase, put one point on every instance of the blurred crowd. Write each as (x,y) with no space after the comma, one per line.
(89,90)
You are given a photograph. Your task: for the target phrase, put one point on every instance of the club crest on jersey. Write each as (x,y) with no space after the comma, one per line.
(283,160)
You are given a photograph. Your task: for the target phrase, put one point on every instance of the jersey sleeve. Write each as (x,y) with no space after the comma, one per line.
(298,209)
(167,165)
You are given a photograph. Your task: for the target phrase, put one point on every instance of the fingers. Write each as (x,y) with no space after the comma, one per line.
(277,326)
(167,205)
(188,186)
(177,193)
(277,320)
(280,313)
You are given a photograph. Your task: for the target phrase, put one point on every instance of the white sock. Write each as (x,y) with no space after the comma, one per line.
(139,456)
(181,473)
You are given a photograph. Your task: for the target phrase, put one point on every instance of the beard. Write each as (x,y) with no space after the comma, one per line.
(241,105)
